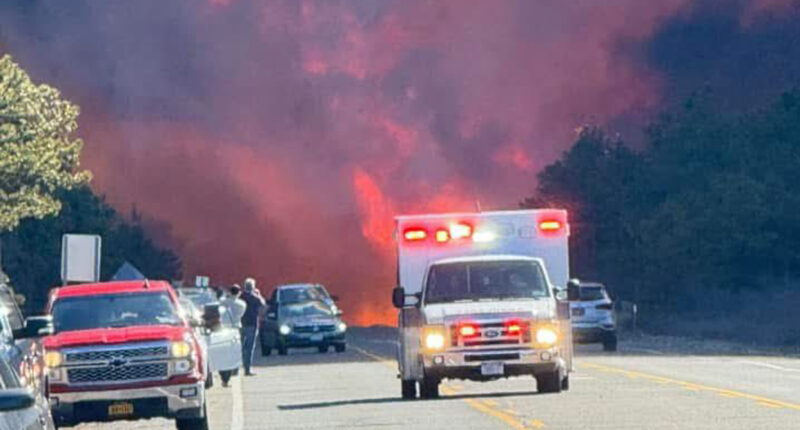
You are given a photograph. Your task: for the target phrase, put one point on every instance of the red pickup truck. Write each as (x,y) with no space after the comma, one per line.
(122,351)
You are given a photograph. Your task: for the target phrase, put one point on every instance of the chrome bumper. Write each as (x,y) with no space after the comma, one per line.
(467,364)
(184,400)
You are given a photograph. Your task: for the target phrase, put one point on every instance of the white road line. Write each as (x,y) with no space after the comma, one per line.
(769,366)
(237,411)
(644,350)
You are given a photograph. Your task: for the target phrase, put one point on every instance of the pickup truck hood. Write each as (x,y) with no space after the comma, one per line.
(107,336)
(538,309)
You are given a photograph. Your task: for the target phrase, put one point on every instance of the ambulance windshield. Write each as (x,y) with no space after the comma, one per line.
(485,280)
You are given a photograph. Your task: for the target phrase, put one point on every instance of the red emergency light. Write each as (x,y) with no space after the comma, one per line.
(467,330)
(415,234)
(550,225)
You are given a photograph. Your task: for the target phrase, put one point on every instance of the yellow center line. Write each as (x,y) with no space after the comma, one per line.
(724,392)
(488,407)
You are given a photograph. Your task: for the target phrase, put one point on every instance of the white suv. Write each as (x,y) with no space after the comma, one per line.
(593,318)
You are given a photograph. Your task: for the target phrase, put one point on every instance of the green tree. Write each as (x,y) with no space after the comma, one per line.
(32,252)
(38,153)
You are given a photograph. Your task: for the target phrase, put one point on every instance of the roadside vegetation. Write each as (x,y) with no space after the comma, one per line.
(698,225)
(44,194)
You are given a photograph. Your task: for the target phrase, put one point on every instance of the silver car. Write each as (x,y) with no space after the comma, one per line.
(593,319)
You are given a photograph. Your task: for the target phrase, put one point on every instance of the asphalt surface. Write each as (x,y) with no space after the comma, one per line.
(637,388)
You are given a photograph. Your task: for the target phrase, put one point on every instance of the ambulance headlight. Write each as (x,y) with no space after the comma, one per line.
(433,338)
(546,337)
(284,329)
(342,327)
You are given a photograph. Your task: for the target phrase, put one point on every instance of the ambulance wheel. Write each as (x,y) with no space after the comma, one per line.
(340,347)
(409,389)
(429,388)
(322,349)
(549,382)
(565,384)
(610,342)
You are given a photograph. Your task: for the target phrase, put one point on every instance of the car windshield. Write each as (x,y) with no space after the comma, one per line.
(485,280)
(308,309)
(113,311)
(299,294)
(589,294)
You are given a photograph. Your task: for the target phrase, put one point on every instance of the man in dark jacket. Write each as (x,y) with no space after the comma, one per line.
(250,321)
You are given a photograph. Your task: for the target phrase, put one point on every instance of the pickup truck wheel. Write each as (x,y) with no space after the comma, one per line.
(429,388)
(549,382)
(322,349)
(340,347)
(282,350)
(409,389)
(265,350)
(193,423)
(610,342)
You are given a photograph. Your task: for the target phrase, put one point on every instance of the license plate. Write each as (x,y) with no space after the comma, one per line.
(120,409)
(492,369)
(578,312)
(316,337)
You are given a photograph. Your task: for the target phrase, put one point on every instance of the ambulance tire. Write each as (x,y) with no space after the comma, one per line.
(409,389)
(610,342)
(549,382)
(429,388)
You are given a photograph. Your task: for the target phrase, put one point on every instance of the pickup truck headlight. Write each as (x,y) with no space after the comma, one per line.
(181,349)
(546,336)
(53,359)
(342,327)
(284,329)
(433,338)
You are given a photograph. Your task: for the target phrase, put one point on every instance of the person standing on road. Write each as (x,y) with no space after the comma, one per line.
(250,321)
(234,304)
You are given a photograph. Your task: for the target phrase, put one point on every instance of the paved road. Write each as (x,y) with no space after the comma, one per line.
(634,389)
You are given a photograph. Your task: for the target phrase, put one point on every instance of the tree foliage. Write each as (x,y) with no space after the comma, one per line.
(710,202)
(38,153)
(32,252)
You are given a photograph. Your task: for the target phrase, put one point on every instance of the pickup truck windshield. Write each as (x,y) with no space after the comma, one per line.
(114,311)
(485,280)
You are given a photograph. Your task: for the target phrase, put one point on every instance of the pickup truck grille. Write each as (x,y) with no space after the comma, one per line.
(134,362)
(124,373)
(109,354)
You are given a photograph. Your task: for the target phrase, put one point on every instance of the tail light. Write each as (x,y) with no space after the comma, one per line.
(442,236)
(605,307)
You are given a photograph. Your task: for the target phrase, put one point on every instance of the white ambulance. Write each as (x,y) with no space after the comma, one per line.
(483,296)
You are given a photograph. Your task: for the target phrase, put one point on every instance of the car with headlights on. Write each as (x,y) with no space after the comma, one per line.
(302,324)
(124,351)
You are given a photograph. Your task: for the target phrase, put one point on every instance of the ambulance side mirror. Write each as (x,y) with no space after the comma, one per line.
(573,290)
(399,297)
